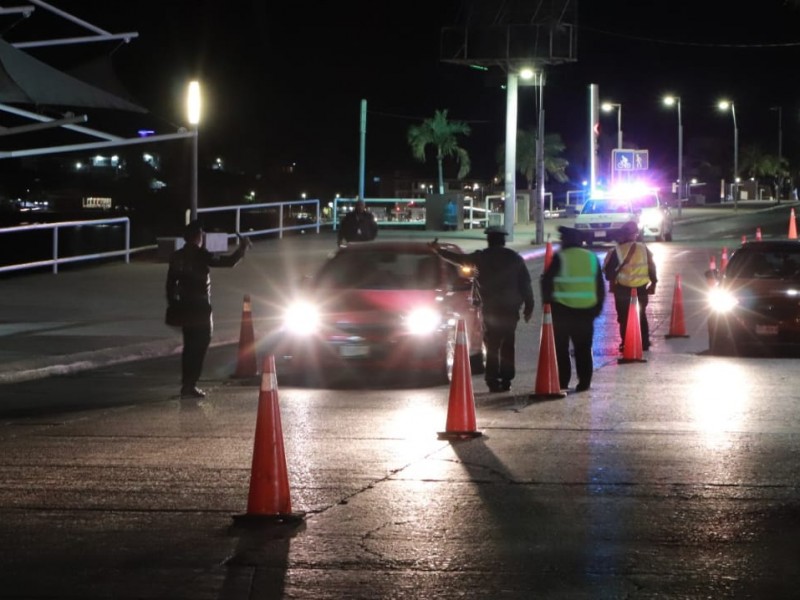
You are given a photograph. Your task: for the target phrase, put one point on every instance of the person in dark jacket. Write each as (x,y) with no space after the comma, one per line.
(358,225)
(505,287)
(573,286)
(189,291)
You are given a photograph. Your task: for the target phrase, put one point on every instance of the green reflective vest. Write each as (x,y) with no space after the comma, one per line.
(575,283)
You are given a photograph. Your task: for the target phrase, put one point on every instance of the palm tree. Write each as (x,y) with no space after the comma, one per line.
(554,165)
(442,134)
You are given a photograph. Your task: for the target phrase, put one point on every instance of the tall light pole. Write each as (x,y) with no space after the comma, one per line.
(608,107)
(676,101)
(780,150)
(193,116)
(725,105)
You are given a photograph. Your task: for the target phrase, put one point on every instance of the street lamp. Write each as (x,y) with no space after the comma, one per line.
(193,116)
(608,107)
(676,101)
(725,105)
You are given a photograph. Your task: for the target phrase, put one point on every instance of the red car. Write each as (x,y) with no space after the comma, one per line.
(381,308)
(755,304)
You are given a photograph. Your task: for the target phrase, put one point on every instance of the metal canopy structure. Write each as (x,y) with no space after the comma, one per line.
(27,81)
(515,35)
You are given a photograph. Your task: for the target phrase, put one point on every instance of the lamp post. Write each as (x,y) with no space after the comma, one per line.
(724,105)
(779,109)
(676,101)
(608,107)
(193,116)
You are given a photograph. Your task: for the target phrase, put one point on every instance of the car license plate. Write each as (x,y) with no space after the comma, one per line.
(353,350)
(766,330)
(599,234)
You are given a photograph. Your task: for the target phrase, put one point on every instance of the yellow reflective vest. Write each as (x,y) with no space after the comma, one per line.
(634,273)
(575,284)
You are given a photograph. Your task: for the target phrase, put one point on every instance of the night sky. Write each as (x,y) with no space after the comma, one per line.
(283,80)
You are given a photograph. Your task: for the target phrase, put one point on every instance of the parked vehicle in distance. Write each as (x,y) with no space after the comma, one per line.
(754,306)
(602,216)
(381,308)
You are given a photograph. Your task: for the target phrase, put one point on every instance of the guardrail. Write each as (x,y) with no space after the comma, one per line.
(60,260)
(239,209)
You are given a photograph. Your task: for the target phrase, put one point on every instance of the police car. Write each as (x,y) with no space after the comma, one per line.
(603,216)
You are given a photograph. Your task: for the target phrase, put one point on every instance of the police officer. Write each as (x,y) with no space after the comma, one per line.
(189,291)
(631,266)
(505,287)
(359,225)
(573,286)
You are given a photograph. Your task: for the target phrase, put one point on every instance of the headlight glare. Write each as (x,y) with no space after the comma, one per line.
(721,301)
(301,318)
(422,321)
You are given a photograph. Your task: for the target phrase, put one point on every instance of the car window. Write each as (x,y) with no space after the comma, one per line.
(380,271)
(765,265)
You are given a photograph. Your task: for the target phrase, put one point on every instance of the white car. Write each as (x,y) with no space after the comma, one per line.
(601,218)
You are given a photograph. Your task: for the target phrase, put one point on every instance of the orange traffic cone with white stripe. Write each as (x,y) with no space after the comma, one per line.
(268,500)
(461,404)
(632,350)
(723,263)
(246,366)
(548,255)
(758,234)
(547,383)
(677,326)
(792,226)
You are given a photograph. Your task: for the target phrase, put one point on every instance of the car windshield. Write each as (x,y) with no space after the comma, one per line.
(381,270)
(773,264)
(593,207)
(649,201)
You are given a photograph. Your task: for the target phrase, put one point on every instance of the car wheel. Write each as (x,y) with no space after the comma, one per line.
(477,362)
(668,236)
(720,344)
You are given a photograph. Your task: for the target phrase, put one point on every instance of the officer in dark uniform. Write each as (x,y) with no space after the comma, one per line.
(505,287)
(189,294)
(358,225)
(573,286)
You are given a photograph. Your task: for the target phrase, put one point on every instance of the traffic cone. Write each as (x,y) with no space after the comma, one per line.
(268,499)
(792,226)
(632,352)
(246,367)
(712,263)
(758,234)
(461,405)
(723,263)
(548,255)
(744,240)
(547,384)
(677,326)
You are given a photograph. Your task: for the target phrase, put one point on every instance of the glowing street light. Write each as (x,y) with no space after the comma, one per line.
(608,107)
(193,104)
(676,101)
(725,105)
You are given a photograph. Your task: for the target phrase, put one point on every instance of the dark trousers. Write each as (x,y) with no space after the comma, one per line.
(500,338)
(622,302)
(195,344)
(575,325)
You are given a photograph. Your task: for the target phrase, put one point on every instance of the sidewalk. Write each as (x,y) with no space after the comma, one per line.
(105,314)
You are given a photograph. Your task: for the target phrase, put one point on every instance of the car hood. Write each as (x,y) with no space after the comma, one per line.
(393,302)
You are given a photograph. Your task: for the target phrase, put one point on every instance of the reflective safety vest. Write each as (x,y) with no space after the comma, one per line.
(634,273)
(575,283)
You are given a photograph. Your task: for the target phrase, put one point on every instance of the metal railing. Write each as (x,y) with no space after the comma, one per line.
(56,259)
(239,209)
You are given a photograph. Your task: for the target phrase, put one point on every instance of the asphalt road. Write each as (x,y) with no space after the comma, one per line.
(674,478)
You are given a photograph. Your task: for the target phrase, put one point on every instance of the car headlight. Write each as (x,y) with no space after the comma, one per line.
(301,318)
(652,220)
(721,301)
(422,321)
